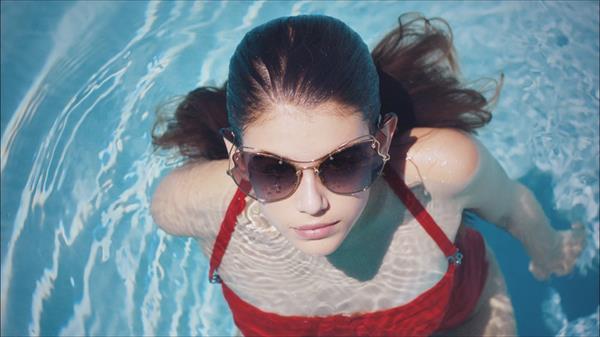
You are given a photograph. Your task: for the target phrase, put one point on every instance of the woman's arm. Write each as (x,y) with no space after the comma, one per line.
(471,175)
(191,200)
(511,205)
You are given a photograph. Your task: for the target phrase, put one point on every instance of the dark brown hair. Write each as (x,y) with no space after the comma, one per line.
(310,59)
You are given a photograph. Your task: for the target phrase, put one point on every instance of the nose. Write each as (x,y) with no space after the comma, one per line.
(310,195)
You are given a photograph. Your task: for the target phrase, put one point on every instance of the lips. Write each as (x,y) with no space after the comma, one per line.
(311,227)
(316,231)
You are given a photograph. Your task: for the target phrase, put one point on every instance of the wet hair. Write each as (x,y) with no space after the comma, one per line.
(311,59)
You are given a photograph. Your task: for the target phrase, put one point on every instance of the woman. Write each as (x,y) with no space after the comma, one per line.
(332,204)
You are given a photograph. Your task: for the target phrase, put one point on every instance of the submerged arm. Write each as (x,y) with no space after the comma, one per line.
(491,194)
(191,199)
(467,172)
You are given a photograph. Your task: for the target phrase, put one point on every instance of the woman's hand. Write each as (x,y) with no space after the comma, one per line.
(559,255)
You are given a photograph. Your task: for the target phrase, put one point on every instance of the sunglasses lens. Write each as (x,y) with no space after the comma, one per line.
(352,169)
(271,178)
(264,177)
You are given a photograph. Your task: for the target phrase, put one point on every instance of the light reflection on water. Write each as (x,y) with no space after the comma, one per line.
(80,82)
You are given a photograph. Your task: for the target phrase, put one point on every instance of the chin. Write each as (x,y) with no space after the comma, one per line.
(321,247)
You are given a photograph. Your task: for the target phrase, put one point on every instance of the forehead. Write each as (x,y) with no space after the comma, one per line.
(304,133)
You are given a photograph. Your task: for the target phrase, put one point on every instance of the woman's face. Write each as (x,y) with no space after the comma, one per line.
(305,134)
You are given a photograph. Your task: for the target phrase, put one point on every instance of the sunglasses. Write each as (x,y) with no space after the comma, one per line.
(350,168)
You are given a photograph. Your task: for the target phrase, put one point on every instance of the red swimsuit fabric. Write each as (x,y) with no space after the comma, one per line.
(444,306)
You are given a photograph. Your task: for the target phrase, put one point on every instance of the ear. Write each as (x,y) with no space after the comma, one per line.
(387,130)
(228,138)
(229,146)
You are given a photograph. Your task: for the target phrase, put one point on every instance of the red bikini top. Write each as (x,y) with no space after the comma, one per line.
(421,316)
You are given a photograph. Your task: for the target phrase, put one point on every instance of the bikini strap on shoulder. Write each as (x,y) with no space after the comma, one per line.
(236,206)
(423,217)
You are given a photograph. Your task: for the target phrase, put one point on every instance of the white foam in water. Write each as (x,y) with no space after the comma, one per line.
(557,321)
(100,266)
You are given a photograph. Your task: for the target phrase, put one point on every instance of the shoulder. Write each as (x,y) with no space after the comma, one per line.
(191,200)
(444,160)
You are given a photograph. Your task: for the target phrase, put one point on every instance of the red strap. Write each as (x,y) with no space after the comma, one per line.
(418,211)
(238,203)
(236,206)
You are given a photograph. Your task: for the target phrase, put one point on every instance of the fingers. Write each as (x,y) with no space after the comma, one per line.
(571,244)
(577,225)
(564,268)
(538,273)
(574,242)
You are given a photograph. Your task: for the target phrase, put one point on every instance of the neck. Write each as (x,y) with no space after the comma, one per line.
(362,252)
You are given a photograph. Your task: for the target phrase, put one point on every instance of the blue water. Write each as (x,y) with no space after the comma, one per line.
(80,84)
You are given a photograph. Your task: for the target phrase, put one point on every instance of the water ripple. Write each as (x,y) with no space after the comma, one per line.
(82,210)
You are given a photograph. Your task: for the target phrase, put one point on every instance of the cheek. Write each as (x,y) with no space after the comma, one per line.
(353,209)
(350,205)
(277,214)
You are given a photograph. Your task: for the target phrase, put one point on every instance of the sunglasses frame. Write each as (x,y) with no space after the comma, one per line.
(300,166)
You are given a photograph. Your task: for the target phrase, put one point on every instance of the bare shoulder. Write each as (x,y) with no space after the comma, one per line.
(444,160)
(191,200)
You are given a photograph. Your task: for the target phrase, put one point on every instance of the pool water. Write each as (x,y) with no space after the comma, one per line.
(80,85)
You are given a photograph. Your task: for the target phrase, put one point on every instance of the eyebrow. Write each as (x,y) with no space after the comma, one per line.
(336,149)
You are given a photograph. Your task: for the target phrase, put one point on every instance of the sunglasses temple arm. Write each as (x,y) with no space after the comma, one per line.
(229,159)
